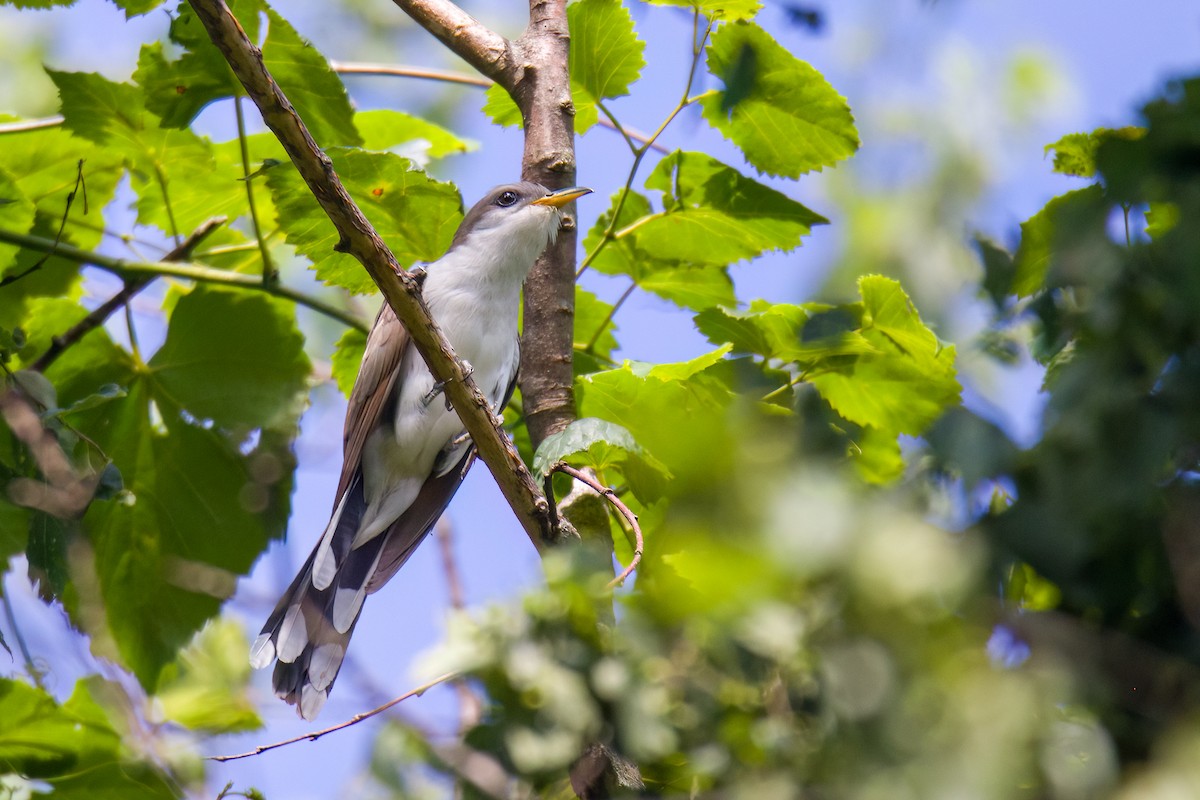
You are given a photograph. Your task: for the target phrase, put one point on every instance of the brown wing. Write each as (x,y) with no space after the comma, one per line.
(372,393)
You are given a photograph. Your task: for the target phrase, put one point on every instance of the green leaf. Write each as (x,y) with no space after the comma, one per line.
(1032,259)
(133,8)
(590,314)
(73,747)
(415,215)
(390,130)
(715,215)
(694,286)
(606,54)
(876,456)
(1160,219)
(906,383)
(499,106)
(347,358)
(241,373)
(790,121)
(717,9)
(207,689)
(43,167)
(178,90)
(16,214)
(1075,153)
(594,443)
(654,406)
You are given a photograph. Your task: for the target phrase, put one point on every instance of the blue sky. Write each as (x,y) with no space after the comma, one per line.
(981,83)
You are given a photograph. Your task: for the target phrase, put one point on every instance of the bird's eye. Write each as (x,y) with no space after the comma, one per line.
(506,198)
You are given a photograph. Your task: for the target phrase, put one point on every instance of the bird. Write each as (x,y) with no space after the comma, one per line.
(404,455)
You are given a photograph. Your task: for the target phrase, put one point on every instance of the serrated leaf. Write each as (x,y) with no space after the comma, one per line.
(594,443)
(178,90)
(415,214)
(906,383)
(407,135)
(606,54)
(206,690)
(717,9)
(790,121)
(347,358)
(1032,259)
(715,215)
(241,373)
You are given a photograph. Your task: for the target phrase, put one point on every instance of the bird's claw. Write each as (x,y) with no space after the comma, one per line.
(440,386)
(418,273)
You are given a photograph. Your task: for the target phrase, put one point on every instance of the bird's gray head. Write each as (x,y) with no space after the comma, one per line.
(516,219)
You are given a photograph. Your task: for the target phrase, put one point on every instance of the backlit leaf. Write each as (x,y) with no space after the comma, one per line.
(606,54)
(717,9)
(790,121)
(415,214)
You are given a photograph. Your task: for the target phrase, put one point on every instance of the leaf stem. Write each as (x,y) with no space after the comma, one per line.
(22,645)
(609,318)
(188,271)
(270,274)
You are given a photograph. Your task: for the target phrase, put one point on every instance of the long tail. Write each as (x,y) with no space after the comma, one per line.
(310,628)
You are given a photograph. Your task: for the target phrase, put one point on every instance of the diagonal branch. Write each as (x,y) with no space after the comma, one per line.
(466,37)
(399,287)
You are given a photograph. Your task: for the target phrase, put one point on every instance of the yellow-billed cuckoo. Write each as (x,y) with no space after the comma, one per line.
(405,455)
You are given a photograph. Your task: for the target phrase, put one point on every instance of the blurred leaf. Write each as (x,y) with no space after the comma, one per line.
(415,214)
(998,271)
(347,358)
(73,747)
(976,449)
(907,382)
(783,115)
(242,373)
(1160,219)
(133,8)
(606,54)
(16,214)
(876,456)
(207,689)
(714,215)
(1032,259)
(1075,153)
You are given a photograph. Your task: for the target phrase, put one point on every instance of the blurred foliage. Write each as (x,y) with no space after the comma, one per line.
(800,625)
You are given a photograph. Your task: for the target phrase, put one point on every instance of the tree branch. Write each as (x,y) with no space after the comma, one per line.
(401,289)
(466,37)
(139,270)
(624,510)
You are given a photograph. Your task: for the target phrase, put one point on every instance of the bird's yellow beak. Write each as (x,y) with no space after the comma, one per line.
(561,197)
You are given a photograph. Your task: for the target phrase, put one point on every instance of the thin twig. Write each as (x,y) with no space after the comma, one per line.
(193,272)
(404,71)
(25,125)
(470,707)
(357,718)
(612,312)
(269,273)
(624,511)
(61,225)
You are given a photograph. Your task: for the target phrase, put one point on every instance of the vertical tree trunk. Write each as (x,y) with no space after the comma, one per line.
(543,93)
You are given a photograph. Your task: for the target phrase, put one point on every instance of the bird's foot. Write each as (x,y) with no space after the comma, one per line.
(418,273)
(440,386)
